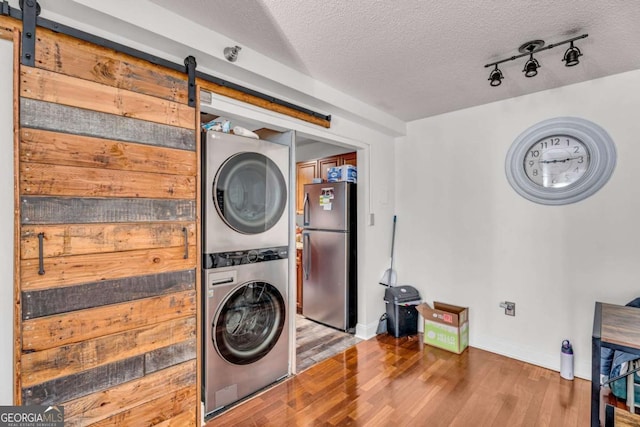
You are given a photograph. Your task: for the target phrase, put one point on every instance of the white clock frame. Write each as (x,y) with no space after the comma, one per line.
(602,160)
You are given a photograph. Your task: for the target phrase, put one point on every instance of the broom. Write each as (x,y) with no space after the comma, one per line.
(389,277)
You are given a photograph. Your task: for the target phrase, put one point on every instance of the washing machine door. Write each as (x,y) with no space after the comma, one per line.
(250,193)
(248,323)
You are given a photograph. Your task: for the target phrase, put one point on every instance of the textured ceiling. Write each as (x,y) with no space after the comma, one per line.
(418,58)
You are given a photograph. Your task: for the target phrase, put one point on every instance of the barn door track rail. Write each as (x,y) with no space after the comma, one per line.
(29,15)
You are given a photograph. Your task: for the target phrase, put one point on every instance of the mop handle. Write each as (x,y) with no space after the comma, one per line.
(393,239)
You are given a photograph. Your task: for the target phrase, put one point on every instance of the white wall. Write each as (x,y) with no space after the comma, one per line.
(6,223)
(318,150)
(466,238)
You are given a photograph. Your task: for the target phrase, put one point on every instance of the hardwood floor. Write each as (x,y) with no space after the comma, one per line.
(388,381)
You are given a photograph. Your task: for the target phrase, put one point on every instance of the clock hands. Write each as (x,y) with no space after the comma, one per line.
(559,160)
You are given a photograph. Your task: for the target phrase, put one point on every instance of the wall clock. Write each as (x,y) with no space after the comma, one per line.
(561,160)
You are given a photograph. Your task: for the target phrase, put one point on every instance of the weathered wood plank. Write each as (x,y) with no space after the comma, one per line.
(172,409)
(188,418)
(62,118)
(73,57)
(156,340)
(42,146)
(84,383)
(62,300)
(6,32)
(77,326)
(102,405)
(50,86)
(11,28)
(62,180)
(164,357)
(78,239)
(70,210)
(17,321)
(70,270)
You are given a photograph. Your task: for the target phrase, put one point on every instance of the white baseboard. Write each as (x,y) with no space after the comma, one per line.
(529,355)
(366,331)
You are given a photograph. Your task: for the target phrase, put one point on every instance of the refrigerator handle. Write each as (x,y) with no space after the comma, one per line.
(305,210)
(306,251)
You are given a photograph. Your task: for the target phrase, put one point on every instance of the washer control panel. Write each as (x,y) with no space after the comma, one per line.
(251,256)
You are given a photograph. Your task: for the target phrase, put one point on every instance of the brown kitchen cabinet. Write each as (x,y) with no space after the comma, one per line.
(349,159)
(307,171)
(299,281)
(325,164)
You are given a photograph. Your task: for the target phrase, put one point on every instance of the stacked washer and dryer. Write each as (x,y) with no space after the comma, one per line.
(245,267)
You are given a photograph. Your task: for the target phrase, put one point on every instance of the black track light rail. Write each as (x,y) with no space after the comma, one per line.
(189,66)
(551,46)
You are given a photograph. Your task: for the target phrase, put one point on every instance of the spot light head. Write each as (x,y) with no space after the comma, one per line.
(231,53)
(571,56)
(496,76)
(531,67)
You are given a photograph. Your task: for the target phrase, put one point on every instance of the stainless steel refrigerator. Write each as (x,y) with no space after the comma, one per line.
(329,253)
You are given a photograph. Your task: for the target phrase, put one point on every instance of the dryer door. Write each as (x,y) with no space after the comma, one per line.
(250,193)
(248,323)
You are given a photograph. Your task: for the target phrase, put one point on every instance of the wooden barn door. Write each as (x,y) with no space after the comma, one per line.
(108,212)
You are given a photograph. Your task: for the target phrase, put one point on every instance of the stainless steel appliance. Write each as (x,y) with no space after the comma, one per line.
(246,342)
(329,253)
(246,193)
(245,266)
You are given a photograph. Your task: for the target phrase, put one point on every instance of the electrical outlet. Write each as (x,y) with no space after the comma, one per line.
(509,308)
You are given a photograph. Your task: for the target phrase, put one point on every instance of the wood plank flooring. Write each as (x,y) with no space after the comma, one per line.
(388,381)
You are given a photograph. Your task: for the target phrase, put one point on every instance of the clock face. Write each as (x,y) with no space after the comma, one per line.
(560,160)
(556,161)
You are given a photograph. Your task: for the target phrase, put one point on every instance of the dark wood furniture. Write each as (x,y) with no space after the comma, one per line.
(616,417)
(616,327)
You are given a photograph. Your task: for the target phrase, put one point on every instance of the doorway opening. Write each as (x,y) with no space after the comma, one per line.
(314,340)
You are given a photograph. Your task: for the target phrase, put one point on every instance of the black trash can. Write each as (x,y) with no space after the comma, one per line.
(402,316)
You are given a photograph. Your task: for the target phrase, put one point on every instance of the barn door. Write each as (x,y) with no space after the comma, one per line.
(108,205)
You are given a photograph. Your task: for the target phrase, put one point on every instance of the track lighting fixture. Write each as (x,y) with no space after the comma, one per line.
(531,66)
(496,76)
(231,53)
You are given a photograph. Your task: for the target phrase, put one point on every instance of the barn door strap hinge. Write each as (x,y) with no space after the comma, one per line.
(190,63)
(30,10)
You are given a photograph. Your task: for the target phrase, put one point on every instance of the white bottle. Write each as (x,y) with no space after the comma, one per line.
(566,360)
